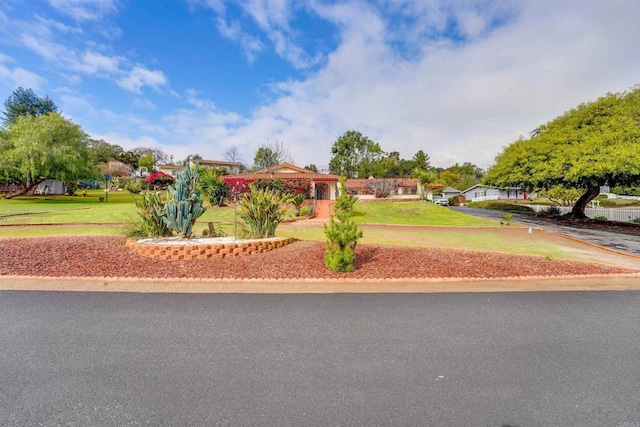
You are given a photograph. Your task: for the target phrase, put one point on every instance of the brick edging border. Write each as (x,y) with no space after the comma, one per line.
(181,251)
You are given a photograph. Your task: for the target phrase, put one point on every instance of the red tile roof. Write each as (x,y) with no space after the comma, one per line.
(151,178)
(252,176)
(301,173)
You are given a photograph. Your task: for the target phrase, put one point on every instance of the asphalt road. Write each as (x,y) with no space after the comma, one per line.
(517,359)
(624,241)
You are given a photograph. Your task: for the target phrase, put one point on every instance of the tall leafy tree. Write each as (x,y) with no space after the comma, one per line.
(354,154)
(158,155)
(101,151)
(594,144)
(147,161)
(271,154)
(35,148)
(25,102)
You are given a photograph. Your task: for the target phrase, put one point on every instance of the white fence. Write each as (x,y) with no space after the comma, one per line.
(484,198)
(619,214)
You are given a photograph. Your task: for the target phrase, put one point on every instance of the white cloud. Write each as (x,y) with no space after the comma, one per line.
(458,102)
(251,46)
(85,10)
(94,62)
(140,76)
(506,68)
(273,18)
(18,76)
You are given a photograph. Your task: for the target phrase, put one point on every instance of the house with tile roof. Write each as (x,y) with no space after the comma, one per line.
(324,186)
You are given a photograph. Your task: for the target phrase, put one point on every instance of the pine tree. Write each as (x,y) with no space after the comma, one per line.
(343,234)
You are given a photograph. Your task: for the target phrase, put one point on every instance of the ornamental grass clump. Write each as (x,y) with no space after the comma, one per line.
(186,204)
(342,235)
(261,210)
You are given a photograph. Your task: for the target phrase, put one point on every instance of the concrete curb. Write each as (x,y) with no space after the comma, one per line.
(630,281)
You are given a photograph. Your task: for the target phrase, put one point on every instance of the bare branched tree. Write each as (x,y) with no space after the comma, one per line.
(233,154)
(382,188)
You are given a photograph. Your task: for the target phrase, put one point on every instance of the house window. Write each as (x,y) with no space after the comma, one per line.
(481,193)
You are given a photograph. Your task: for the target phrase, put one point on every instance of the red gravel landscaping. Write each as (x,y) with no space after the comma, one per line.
(106,256)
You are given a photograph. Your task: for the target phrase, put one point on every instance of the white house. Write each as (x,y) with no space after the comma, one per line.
(450,192)
(233,168)
(480,192)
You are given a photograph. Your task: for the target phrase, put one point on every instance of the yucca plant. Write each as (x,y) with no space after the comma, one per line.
(297,202)
(507,218)
(186,204)
(261,210)
(214,188)
(151,214)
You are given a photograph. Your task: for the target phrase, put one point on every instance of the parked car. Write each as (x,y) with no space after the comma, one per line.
(439,200)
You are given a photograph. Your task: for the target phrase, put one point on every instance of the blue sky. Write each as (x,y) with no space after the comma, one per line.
(459,79)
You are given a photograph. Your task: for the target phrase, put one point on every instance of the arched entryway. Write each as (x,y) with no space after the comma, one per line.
(322,191)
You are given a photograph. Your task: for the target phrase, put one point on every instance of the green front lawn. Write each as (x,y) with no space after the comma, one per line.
(415,213)
(68,209)
(90,216)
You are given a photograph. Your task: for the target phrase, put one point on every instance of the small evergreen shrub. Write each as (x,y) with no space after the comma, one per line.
(133,186)
(502,206)
(507,218)
(343,234)
(553,211)
(71,187)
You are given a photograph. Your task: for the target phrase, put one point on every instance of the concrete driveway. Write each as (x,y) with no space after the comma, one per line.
(625,241)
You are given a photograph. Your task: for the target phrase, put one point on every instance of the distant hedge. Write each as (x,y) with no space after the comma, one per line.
(502,206)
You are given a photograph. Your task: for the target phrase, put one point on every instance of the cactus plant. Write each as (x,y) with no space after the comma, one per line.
(186,204)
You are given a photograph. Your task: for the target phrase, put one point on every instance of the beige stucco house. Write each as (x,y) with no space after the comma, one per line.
(324,187)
